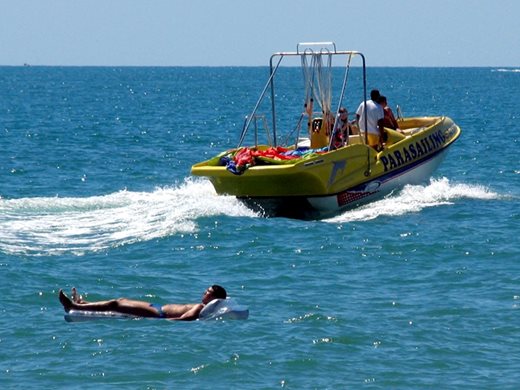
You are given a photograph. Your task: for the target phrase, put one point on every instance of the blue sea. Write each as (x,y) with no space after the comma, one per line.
(419,290)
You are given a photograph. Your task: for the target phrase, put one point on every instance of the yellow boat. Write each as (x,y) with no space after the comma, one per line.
(310,177)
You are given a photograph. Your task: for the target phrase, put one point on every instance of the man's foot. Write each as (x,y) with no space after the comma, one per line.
(76,298)
(65,301)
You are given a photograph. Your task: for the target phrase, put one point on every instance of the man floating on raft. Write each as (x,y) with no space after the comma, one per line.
(129,307)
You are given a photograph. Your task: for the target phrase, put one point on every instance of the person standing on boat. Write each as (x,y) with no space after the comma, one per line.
(374,120)
(343,129)
(389,120)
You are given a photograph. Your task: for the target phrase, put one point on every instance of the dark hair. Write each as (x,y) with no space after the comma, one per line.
(374,94)
(382,99)
(219,292)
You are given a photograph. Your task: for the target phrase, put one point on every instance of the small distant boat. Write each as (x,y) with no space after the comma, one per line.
(307,175)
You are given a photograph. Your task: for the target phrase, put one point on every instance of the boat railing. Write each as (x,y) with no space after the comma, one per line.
(320,45)
(399,113)
(263,124)
(248,120)
(316,50)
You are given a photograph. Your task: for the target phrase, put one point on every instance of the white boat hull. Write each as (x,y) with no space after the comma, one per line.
(377,188)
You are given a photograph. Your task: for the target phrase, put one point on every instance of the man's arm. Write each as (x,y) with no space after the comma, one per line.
(191,314)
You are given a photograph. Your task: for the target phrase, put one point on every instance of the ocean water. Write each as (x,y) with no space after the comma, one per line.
(418,290)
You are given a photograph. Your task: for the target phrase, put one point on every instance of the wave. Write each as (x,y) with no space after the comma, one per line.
(509,70)
(414,198)
(54,226)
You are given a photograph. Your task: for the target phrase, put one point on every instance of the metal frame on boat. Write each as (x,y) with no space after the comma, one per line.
(310,176)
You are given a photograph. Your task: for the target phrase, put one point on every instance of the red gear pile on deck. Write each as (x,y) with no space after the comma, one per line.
(246,156)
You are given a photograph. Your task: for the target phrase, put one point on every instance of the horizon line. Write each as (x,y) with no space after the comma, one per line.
(28,65)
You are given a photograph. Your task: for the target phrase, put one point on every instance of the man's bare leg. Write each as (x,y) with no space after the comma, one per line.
(69,304)
(122,305)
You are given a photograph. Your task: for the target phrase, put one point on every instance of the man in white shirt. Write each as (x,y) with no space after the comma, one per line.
(374,120)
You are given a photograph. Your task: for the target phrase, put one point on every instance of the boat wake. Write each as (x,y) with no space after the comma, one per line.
(414,198)
(55,226)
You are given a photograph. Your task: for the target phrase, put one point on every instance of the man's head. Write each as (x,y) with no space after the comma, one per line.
(374,95)
(214,292)
(219,292)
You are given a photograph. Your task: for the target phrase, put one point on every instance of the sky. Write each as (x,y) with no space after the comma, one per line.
(247,32)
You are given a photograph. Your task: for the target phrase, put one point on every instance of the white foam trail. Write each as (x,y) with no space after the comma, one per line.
(506,70)
(414,198)
(50,226)
(54,226)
